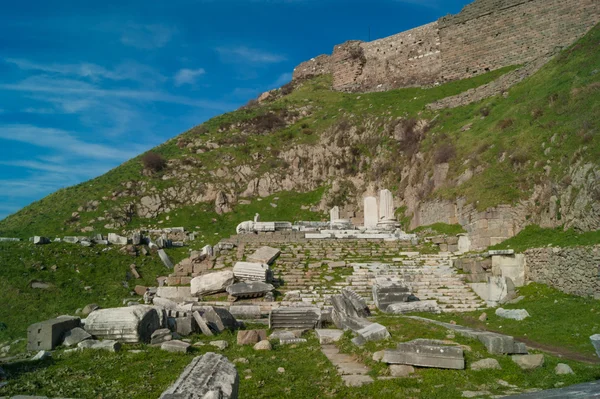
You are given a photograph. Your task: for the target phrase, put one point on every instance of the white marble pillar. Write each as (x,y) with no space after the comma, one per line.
(334,214)
(386,205)
(371,212)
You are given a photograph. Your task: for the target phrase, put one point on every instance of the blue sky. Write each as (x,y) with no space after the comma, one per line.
(86,85)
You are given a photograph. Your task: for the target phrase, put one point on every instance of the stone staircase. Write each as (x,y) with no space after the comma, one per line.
(311,271)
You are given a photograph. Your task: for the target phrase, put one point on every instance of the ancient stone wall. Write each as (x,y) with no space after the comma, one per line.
(486,35)
(571,270)
(490,34)
(320,65)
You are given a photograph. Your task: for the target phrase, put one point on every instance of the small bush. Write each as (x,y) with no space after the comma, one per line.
(505,124)
(307,131)
(154,162)
(267,123)
(200,130)
(445,153)
(520,157)
(537,113)
(485,111)
(288,88)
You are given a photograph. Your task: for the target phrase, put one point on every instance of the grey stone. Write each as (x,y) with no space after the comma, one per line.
(486,364)
(413,307)
(210,376)
(562,369)
(356,380)
(387,291)
(328,336)
(160,336)
(251,337)
(71,240)
(529,362)
(89,309)
(501,252)
(221,345)
(213,283)
(47,335)
(217,319)
(176,346)
(136,238)
(445,357)
(75,336)
(294,317)
(401,370)
(165,258)
(250,271)
(513,314)
(264,255)
(283,334)
(246,311)
(595,340)
(588,390)
(475,394)
(202,324)
(358,303)
(131,324)
(293,341)
(374,332)
(38,240)
(185,326)
(117,239)
(176,294)
(253,289)
(41,355)
(358,341)
(108,345)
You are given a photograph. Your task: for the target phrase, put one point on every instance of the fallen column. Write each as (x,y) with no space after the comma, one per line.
(445,357)
(207,376)
(132,324)
(412,307)
(294,317)
(252,289)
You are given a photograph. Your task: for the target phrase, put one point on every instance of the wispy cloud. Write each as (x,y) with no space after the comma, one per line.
(244,54)
(433,4)
(281,80)
(62,141)
(188,76)
(126,71)
(147,37)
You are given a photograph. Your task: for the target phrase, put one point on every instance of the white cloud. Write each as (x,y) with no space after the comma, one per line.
(248,55)
(188,76)
(128,70)
(147,37)
(63,141)
(281,80)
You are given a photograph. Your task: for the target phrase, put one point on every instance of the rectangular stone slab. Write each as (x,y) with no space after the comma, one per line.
(249,271)
(207,376)
(48,334)
(264,255)
(444,357)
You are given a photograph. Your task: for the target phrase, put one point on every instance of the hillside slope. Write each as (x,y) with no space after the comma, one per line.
(526,157)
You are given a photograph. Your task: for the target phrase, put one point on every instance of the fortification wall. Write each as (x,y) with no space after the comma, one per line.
(491,34)
(486,35)
(320,65)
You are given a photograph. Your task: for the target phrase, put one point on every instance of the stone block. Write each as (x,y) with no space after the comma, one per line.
(246,312)
(486,364)
(388,290)
(75,336)
(445,357)
(185,326)
(217,319)
(116,239)
(131,324)
(252,289)
(328,336)
(374,332)
(595,340)
(47,335)
(178,347)
(294,317)
(513,314)
(202,324)
(165,259)
(251,337)
(358,303)
(266,255)
(108,345)
(413,307)
(174,293)
(160,336)
(401,370)
(212,283)
(249,271)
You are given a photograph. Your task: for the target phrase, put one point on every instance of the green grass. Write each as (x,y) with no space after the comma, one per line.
(537,237)
(557,319)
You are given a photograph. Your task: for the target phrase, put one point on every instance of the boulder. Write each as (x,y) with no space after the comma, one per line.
(529,362)
(160,336)
(131,324)
(212,283)
(209,376)
(251,337)
(221,344)
(75,336)
(563,369)
(513,314)
(264,345)
(401,370)
(486,364)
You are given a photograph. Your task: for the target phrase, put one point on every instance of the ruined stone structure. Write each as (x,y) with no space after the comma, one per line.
(486,35)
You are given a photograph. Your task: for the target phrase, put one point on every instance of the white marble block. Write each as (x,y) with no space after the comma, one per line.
(371,212)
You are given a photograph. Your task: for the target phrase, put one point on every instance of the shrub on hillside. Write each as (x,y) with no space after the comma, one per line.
(153,161)
(505,124)
(445,153)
